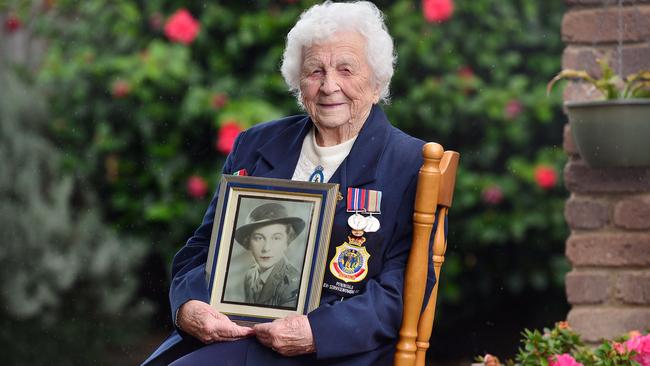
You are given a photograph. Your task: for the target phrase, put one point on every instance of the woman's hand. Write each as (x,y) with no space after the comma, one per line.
(290,336)
(203,322)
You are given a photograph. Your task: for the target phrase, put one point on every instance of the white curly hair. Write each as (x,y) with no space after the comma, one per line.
(320,22)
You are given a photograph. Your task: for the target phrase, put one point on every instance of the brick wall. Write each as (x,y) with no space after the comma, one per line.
(609,209)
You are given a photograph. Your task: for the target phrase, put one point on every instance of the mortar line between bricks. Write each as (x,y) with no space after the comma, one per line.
(608,229)
(599,6)
(611,268)
(624,269)
(602,307)
(605,44)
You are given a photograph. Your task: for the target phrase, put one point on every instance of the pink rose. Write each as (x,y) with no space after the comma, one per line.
(219,100)
(512,109)
(492,195)
(490,360)
(563,360)
(465,72)
(197,186)
(182,27)
(227,135)
(641,345)
(545,177)
(633,334)
(437,10)
(619,348)
(12,23)
(156,21)
(121,89)
(563,325)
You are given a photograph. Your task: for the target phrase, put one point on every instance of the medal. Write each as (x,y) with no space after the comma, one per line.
(357,222)
(367,201)
(372,225)
(317,175)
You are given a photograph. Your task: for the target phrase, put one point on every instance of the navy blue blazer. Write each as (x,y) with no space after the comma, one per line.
(358,330)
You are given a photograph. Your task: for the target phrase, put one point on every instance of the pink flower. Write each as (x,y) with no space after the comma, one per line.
(465,73)
(492,195)
(197,187)
(513,109)
(563,360)
(219,100)
(490,360)
(227,135)
(633,334)
(121,89)
(437,10)
(619,348)
(156,21)
(12,23)
(545,177)
(182,27)
(563,325)
(641,345)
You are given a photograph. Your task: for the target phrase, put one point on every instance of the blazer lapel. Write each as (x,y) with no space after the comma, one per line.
(360,166)
(279,155)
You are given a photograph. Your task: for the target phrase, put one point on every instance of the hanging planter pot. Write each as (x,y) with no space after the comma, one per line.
(611,133)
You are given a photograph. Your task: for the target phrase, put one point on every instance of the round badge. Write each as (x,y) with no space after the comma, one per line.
(350,261)
(317,176)
(373,224)
(357,222)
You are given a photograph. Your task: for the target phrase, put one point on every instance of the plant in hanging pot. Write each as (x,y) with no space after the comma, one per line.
(615,131)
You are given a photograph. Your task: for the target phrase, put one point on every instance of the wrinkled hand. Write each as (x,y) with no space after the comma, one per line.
(290,336)
(203,322)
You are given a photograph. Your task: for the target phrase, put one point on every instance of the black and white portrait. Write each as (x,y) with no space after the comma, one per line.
(268,252)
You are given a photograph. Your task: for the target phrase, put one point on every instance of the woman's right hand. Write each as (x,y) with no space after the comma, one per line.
(203,322)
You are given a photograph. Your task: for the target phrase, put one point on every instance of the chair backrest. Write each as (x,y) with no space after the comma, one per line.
(435,190)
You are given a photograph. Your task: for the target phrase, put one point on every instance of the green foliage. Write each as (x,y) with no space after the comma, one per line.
(137,115)
(539,349)
(68,288)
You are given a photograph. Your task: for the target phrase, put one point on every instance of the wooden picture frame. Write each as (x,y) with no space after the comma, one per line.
(268,249)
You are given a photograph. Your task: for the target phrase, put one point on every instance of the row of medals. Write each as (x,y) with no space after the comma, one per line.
(363,224)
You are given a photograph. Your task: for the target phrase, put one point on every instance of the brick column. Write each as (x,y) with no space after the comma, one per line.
(609,209)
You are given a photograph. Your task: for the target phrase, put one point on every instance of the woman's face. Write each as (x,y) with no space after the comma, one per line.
(336,82)
(268,244)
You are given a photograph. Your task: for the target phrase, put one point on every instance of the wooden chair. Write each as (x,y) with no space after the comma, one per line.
(435,190)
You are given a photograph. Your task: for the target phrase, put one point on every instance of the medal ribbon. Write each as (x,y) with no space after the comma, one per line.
(363,200)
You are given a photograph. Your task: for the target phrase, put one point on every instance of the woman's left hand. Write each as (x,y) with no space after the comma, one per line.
(290,336)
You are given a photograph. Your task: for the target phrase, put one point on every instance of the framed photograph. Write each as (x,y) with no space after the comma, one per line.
(268,249)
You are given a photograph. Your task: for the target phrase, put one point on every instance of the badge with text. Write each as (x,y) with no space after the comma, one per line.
(350,262)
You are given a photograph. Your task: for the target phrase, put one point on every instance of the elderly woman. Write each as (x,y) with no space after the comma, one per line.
(338,61)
